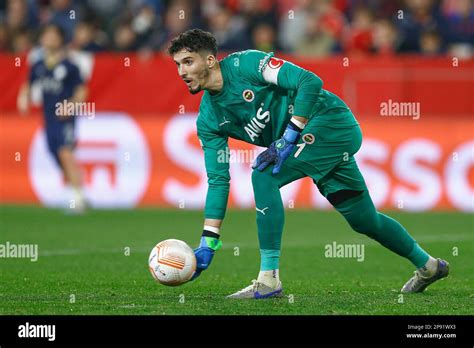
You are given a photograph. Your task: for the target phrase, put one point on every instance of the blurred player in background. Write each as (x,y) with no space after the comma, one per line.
(60,81)
(308,131)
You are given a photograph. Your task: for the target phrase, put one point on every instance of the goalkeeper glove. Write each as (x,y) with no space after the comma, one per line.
(279,150)
(205,252)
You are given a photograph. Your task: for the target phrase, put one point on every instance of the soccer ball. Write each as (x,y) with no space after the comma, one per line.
(172,262)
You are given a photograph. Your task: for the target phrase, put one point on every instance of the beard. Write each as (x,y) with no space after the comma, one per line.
(202,77)
(195,90)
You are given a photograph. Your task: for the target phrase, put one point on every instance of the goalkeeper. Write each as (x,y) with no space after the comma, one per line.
(308,132)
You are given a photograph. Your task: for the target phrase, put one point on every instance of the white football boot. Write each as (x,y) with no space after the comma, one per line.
(418,282)
(258,291)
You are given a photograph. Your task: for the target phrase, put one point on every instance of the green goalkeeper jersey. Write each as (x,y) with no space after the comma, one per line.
(259,96)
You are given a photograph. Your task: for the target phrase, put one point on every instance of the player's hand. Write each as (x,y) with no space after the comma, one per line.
(279,150)
(204,254)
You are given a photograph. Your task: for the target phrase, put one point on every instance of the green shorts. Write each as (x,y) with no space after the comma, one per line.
(326,155)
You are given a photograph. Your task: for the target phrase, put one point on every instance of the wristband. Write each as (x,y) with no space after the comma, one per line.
(292,133)
(210,240)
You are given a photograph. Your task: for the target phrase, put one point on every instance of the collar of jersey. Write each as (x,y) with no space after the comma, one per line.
(55,65)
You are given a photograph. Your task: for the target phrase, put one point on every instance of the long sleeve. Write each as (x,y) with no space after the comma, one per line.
(216,159)
(263,68)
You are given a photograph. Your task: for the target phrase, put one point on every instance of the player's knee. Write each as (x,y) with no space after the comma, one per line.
(263,180)
(368,224)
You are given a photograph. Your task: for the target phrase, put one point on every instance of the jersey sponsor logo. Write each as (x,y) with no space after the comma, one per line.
(308,138)
(263,63)
(257,124)
(275,63)
(248,95)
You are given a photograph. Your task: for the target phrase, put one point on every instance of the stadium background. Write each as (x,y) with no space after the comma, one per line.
(140,147)
(139,150)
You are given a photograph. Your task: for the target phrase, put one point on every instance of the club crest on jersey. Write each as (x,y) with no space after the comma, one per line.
(308,138)
(275,63)
(248,95)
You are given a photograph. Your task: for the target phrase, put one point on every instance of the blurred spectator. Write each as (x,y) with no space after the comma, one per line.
(293,24)
(460,27)
(125,39)
(145,24)
(157,6)
(359,36)
(20,14)
(65,15)
(418,16)
(460,22)
(305,27)
(256,12)
(22,42)
(16,17)
(177,19)
(385,38)
(86,38)
(332,20)
(230,31)
(379,8)
(318,40)
(108,11)
(4,45)
(264,38)
(15,24)
(430,43)
(107,8)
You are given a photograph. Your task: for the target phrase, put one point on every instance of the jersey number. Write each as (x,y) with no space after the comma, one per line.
(300,148)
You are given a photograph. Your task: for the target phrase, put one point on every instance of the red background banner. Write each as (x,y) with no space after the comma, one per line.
(410,164)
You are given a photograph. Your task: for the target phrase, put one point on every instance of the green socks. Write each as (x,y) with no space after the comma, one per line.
(362,216)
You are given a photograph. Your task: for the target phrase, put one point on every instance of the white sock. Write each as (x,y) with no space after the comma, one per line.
(269,278)
(429,268)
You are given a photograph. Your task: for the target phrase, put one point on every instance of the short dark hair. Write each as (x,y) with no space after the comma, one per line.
(194,40)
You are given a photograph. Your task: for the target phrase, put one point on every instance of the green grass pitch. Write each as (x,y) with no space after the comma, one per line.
(83,267)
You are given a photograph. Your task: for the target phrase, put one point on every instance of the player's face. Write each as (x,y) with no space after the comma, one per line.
(193,69)
(51,39)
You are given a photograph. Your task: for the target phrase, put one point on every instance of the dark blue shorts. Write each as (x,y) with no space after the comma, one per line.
(60,135)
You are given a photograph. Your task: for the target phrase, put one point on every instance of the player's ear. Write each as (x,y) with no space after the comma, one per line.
(211,61)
